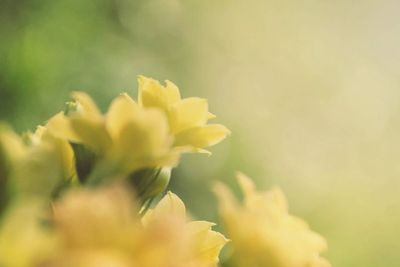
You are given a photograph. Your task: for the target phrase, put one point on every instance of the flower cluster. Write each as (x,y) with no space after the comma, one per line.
(79,191)
(263,233)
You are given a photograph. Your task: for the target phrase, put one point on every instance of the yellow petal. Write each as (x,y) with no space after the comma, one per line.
(122,109)
(23,242)
(199,227)
(150,93)
(60,126)
(200,137)
(89,107)
(226,200)
(264,233)
(10,143)
(37,136)
(63,151)
(172,92)
(169,206)
(208,243)
(143,141)
(153,94)
(211,247)
(92,133)
(246,184)
(277,198)
(188,113)
(94,258)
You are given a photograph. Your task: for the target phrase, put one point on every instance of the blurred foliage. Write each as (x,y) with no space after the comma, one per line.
(49,48)
(310,90)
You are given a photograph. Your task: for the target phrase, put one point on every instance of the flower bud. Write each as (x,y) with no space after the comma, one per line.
(149,183)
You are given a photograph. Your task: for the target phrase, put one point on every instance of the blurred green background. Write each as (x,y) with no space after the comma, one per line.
(310,90)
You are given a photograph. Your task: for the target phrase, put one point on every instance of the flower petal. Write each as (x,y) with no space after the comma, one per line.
(200,137)
(89,107)
(169,206)
(144,141)
(150,93)
(172,92)
(92,133)
(188,113)
(60,126)
(122,109)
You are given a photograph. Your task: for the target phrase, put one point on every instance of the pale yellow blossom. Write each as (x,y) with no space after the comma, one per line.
(134,136)
(24,242)
(11,150)
(102,227)
(205,244)
(126,139)
(187,117)
(36,165)
(263,232)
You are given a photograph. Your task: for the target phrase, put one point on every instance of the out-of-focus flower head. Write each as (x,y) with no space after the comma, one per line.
(203,244)
(34,165)
(58,149)
(11,149)
(263,232)
(102,227)
(24,242)
(187,117)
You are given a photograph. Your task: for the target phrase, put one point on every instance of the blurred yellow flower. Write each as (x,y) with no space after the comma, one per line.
(61,150)
(11,149)
(102,227)
(23,242)
(11,146)
(187,117)
(203,243)
(37,164)
(263,233)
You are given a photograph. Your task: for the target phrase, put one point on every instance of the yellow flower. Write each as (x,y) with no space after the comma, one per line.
(102,227)
(11,146)
(23,242)
(128,138)
(205,244)
(37,166)
(132,137)
(263,233)
(187,117)
(11,149)
(61,150)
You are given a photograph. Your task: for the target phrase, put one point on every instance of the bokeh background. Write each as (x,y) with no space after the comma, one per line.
(310,90)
